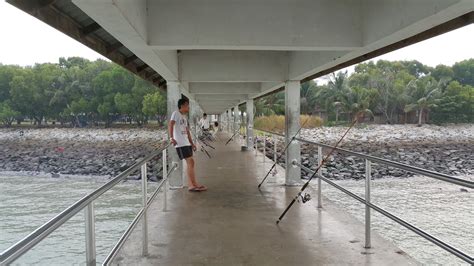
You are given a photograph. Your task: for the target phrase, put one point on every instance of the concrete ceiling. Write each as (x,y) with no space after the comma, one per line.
(224,52)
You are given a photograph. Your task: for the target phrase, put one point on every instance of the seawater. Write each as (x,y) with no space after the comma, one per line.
(26,202)
(438,208)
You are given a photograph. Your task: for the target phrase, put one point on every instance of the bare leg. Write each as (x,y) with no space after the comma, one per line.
(190,170)
(192,183)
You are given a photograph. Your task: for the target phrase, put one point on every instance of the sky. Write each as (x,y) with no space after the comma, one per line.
(26,41)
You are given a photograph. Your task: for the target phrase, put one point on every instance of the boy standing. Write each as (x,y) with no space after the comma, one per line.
(204,123)
(178,129)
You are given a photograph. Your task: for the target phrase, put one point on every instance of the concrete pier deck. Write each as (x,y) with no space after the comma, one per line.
(233,223)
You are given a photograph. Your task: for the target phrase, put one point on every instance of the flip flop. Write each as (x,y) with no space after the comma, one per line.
(202,188)
(194,189)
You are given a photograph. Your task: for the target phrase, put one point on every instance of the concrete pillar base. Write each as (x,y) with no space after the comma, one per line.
(249,125)
(292,125)
(173,95)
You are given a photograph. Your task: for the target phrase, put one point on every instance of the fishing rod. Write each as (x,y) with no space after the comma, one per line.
(205,143)
(232,137)
(284,150)
(307,197)
(202,146)
(208,145)
(205,151)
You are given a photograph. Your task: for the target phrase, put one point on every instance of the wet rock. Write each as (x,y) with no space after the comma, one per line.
(123,167)
(153,178)
(134,177)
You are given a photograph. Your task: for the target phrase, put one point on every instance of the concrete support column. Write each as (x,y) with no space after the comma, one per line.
(173,93)
(193,117)
(229,120)
(219,120)
(236,118)
(292,124)
(249,125)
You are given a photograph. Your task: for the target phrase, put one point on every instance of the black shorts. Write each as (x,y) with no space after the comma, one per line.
(184,152)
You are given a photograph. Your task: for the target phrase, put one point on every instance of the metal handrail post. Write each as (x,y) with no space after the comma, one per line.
(111,256)
(90,234)
(165,174)
(275,157)
(274,148)
(256,145)
(368,176)
(320,161)
(183,175)
(144,221)
(264,147)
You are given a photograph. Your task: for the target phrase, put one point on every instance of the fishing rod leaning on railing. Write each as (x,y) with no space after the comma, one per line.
(87,203)
(236,132)
(369,159)
(283,152)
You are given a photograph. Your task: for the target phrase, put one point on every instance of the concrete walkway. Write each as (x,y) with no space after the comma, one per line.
(233,223)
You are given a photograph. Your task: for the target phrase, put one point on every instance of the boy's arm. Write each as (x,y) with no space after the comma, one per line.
(190,138)
(170,131)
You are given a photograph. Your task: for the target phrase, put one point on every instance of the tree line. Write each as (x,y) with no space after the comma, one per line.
(390,92)
(79,92)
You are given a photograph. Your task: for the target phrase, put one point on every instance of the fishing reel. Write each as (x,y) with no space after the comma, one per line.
(274,172)
(304,198)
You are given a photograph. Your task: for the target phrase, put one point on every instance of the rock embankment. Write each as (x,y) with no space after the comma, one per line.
(97,152)
(447,149)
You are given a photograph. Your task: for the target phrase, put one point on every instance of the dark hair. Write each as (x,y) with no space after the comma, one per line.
(182,102)
(205,114)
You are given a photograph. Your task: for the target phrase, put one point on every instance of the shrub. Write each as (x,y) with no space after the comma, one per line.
(277,122)
(314,121)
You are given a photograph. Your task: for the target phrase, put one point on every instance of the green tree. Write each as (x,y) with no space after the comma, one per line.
(308,97)
(442,72)
(7,73)
(273,104)
(27,98)
(424,93)
(125,104)
(154,105)
(7,114)
(106,109)
(338,85)
(455,105)
(464,72)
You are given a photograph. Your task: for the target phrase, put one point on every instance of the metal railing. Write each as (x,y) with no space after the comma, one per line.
(366,200)
(87,204)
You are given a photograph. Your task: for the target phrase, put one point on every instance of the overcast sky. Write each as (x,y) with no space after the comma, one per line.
(26,40)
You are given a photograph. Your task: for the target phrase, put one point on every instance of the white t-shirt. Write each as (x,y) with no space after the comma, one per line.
(204,123)
(180,133)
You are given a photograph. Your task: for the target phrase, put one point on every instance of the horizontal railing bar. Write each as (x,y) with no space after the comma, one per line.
(400,221)
(113,253)
(270,132)
(406,167)
(28,242)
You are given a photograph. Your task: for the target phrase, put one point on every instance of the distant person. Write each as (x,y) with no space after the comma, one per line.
(216,128)
(181,139)
(204,123)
